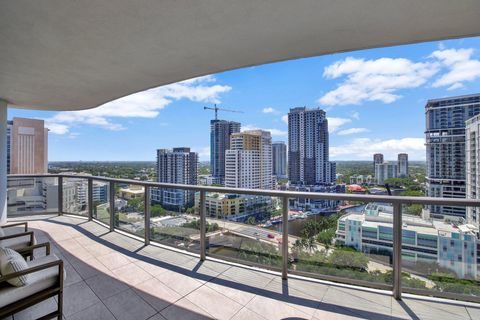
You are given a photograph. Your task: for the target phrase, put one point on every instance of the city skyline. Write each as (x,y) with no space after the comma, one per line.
(363,119)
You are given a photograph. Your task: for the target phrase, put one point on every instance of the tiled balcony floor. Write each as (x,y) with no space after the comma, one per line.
(112,276)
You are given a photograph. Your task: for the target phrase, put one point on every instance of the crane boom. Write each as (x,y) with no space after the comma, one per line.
(216,109)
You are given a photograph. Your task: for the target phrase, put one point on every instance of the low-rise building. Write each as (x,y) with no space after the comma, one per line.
(315,205)
(132,192)
(450,245)
(236,207)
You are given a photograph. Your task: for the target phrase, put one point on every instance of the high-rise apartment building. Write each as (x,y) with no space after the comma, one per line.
(402,165)
(220,131)
(179,165)
(308,153)
(377,159)
(27,146)
(445,141)
(384,171)
(279,159)
(248,162)
(472,149)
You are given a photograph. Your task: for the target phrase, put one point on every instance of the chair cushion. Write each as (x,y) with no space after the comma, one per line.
(37,282)
(10,262)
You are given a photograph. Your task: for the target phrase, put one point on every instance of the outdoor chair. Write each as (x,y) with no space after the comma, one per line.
(45,280)
(15,239)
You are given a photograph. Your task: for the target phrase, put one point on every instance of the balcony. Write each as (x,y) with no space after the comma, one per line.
(189,269)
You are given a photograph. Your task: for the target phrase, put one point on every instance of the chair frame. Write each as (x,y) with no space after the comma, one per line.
(55,290)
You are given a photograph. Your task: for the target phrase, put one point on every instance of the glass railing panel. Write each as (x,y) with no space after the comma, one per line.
(340,241)
(75,196)
(129,208)
(101,201)
(32,195)
(241,229)
(440,252)
(174,219)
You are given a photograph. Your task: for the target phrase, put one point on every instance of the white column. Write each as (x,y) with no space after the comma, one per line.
(3,162)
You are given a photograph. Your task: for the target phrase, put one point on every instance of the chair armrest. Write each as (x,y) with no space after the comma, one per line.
(29,250)
(41,267)
(17,235)
(16,225)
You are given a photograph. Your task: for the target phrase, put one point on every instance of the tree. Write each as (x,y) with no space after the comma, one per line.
(325,237)
(157,210)
(251,220)
(348,258)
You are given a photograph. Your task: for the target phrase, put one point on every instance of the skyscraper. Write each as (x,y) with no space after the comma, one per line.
(220,131)
(308,153)
(402,165)
(279,159)
(472,149)
(445,140)
(377,159)
(176,166)
(248,162)
(27,146)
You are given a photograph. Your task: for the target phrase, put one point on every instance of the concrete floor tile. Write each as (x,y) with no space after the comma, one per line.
(179,282)
(131,274)
(128,305)
(247,314)
(78,297)
(113,260)
(156,294)
(222,308)
(105,285)
(96,312)
(185,310)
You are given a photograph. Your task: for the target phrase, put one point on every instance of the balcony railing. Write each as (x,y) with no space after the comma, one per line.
(116,203)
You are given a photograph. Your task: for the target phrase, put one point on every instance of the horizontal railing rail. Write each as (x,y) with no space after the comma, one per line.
(275,193)
(396,201)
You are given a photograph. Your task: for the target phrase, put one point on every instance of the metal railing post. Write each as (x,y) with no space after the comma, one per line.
(284,238)
(147,215)
(203,227)
(90,199)
(397,250)
(60,195)
(112,206)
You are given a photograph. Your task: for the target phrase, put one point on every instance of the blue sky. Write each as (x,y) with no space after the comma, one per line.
(374,101)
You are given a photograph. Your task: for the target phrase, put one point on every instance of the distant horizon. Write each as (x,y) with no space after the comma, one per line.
(204,161)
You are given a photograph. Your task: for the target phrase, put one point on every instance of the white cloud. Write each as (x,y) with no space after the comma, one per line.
(57,128)
(146,104)
(285,118)
(374,80)
(268,110)
(203,152)
(461,67)
(355,115)
(364,148)
(335,123)
(273,132)
(352,131)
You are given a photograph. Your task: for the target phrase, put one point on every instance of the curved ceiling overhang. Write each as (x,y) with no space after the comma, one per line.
(73,55)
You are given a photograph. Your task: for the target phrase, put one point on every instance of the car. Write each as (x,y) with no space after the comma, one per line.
(271,236)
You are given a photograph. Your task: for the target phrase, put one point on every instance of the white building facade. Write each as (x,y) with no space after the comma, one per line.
(248,162)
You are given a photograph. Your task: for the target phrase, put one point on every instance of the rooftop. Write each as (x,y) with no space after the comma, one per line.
(112,276)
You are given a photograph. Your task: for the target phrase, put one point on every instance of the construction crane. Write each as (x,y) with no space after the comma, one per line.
(216,109)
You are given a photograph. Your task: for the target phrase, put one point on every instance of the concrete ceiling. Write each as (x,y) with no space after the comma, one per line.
(72,55)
